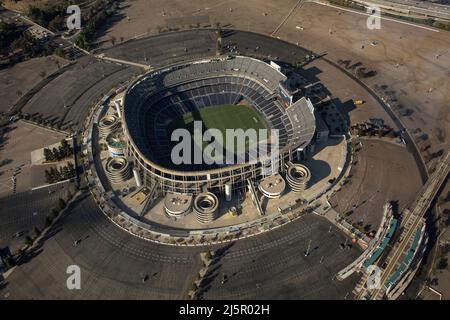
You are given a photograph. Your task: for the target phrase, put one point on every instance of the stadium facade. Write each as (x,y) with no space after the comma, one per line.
(155,99)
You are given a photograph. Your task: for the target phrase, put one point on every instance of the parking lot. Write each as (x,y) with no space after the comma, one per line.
(113,263)
(22,212)
(383,172)
(18,141)
(67,98)
(274,265)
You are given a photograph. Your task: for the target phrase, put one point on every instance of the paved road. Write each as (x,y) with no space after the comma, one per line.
(414,7)
(113,261)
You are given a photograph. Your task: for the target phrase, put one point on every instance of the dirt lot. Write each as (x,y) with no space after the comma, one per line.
(383,172)
(143,17)
(16,146)
(23,76)
(404,57)
(411,62)
(344,90)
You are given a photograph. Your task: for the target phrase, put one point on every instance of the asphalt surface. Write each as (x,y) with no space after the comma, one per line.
(24,211)
(383,172)
(262,47)
(170,48)
(269,266)
(166,48)
(113,263)
(274,265)
(69,96)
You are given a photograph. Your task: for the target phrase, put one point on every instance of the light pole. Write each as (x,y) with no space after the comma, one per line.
(308,249)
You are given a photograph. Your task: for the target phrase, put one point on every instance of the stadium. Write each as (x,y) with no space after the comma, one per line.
(238,92)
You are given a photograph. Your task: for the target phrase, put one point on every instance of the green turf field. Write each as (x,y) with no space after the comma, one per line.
(222,117)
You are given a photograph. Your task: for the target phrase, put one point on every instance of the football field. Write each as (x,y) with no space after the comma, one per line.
(223,117)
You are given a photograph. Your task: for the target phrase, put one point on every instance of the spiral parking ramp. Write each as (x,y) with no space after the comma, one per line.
(108,124)
(206,207)
(118,169)
(297,177)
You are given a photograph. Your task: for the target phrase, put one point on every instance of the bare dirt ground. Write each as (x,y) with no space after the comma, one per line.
(344,90)
(404,57)
(412,62)
(23,76)
(142,17)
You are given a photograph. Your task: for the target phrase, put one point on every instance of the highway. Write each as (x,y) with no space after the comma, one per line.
(408,7)
(416,214)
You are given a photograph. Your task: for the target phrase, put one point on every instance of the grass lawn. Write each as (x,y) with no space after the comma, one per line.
(223,117)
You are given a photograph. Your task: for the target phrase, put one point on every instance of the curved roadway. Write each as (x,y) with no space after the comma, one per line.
(272,265)
(113,262)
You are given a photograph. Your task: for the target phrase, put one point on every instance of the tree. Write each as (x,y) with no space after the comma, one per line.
(65,174)
(61,203)
(71,167)
(48,154)
(28,241)
(360,73)
(56,154)
(20,252)
(48,221)
(443,263)
(380,133)
(208,256)
(37,231)
(65,149)
(56,23)
(9,262)
(48,177)
(54,213)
